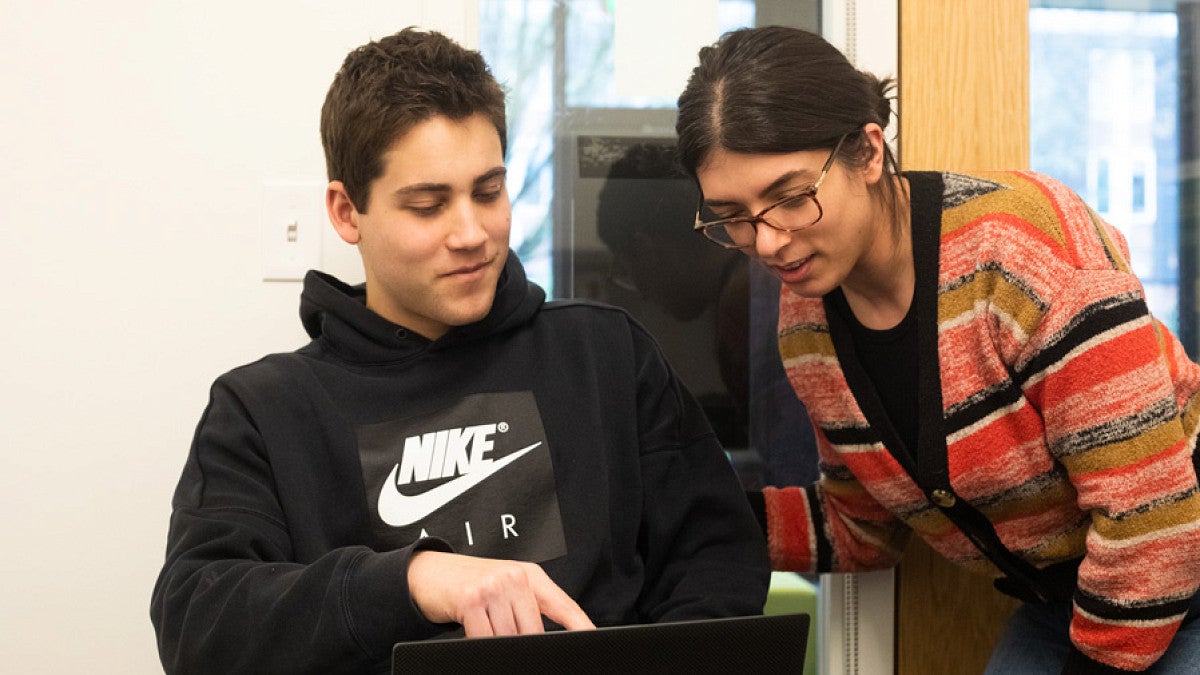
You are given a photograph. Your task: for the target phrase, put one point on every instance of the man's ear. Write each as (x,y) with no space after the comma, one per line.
(874,168)
(342,212)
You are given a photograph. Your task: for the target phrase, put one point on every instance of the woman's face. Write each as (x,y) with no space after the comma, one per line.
(816,259)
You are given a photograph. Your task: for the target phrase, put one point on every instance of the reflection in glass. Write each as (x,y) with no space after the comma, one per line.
(599,213)
(568,129)
(675,282)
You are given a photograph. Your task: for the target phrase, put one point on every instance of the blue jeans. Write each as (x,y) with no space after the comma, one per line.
(1037,641)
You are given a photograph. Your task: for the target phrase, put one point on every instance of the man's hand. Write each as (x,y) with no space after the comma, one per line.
(489,596)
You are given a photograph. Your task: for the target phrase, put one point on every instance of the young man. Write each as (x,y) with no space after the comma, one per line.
(450,454)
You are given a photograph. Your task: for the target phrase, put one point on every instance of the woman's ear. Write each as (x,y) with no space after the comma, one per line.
(342,212)
(873,170)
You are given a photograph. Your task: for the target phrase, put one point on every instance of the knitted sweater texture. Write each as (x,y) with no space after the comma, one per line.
(1050,400)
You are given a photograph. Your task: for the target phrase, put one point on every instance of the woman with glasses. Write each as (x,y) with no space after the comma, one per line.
(975,354)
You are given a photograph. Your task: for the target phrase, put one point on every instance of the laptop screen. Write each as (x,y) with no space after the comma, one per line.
(754,644)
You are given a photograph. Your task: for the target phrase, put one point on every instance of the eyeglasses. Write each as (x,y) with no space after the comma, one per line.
(802,209)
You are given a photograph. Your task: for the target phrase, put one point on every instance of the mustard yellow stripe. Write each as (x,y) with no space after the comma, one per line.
(842,489)
(1029,198)
(1068,546)
(1112,455)
(1191,415)
(961,300)
(1160,518)
(979,206)
(805,343)
(955,218)
(1040,499)
(1022,197)
(962,215)
(930,523)
(991,285)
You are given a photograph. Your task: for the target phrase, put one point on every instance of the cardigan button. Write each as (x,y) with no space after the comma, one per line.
(943,498)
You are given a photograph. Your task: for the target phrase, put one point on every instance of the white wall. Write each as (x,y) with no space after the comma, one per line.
(135,136)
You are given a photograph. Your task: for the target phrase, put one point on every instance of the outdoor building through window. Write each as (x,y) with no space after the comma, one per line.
(1111,88)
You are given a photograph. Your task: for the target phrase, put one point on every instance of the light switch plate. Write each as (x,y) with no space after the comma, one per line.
(293,217)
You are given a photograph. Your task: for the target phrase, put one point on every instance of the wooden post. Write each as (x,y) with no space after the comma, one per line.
(964,104)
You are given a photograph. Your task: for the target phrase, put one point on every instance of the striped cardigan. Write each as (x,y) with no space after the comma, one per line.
(1059,409)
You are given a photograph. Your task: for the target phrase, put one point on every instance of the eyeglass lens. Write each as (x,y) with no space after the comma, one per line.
(791,214)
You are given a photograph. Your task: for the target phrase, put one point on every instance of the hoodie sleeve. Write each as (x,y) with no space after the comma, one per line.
(704,551)
(231,596)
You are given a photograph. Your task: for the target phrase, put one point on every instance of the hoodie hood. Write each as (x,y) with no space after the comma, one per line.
(335,314)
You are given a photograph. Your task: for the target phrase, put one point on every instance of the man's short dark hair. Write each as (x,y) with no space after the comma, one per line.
(386,87)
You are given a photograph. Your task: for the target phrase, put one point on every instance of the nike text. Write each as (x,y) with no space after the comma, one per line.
(449,452)
(397,509)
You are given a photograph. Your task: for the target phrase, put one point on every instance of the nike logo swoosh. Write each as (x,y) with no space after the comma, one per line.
(399,510)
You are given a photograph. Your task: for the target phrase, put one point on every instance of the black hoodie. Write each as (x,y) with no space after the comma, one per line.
(549,432)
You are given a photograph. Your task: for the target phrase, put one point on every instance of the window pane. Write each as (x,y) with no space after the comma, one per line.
(1104,105)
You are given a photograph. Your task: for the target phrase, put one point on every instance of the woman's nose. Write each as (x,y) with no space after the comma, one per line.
(768,240)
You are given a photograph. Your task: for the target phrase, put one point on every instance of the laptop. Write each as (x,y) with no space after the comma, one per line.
(764,645)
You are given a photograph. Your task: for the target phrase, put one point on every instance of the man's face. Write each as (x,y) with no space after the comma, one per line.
(434,237)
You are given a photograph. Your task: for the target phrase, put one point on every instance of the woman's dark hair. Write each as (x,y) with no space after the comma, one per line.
(774,89)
